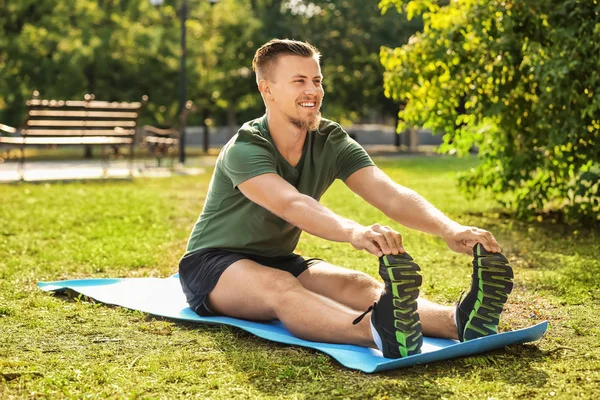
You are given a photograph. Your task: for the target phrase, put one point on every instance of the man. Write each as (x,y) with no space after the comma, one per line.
(265,190)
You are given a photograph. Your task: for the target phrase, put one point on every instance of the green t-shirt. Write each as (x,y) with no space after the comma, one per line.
(232,222)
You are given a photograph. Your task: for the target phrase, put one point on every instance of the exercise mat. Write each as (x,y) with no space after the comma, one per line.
(164,297)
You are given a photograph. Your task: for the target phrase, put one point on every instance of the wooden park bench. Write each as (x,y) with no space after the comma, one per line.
(163,142)
(74,122)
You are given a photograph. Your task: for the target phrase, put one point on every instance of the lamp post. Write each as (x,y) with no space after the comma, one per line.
(182,73)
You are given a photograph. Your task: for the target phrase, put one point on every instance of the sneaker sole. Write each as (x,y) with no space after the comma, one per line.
(403,275)
(495,284)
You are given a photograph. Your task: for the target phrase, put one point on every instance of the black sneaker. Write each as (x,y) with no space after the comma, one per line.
(395,316)
(478,311)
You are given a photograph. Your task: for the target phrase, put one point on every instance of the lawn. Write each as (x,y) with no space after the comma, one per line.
(60,346)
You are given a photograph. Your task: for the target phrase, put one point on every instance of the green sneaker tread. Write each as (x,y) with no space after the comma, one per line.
(492,280)
(397,308)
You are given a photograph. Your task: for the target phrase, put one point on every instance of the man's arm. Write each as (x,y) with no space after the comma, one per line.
(272,192)
(407,207)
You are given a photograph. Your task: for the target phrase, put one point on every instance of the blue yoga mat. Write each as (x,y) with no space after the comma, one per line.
(164,297)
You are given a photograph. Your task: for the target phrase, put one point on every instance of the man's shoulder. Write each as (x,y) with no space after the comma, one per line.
(249,139)
(254,129)
(251,132)
(328,127)
(333,133)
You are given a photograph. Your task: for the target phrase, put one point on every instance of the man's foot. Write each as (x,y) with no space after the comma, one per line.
(478,311)
(395,318)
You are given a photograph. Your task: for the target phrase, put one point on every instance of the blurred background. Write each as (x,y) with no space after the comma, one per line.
(120,50)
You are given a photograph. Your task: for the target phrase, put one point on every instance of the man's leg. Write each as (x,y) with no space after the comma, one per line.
(358,291)
(252,291)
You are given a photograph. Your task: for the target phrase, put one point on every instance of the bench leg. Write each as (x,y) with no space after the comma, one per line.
(104,161)
(174,155)
(22,163)
(131,158)
(159,154)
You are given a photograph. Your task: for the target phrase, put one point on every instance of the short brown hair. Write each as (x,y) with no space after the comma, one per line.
(267,54)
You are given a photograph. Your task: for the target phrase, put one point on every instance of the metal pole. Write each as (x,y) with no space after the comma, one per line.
(182,82)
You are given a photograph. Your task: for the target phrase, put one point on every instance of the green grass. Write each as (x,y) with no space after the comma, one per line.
(59,346)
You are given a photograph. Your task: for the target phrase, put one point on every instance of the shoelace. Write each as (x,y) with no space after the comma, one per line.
(361,316)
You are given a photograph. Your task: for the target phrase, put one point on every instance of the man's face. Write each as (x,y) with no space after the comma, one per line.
(296,87)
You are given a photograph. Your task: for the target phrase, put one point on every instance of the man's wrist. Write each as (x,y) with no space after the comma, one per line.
(449,228)
(350,230)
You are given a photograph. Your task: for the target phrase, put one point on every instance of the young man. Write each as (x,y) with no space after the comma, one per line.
(265,190)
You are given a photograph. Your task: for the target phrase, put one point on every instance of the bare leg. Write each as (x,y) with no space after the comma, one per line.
(354,289)
(358,290)
(437,320)
(252,291)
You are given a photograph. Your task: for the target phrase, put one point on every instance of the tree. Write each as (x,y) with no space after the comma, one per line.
(224,47)
(119,50)
(518,79)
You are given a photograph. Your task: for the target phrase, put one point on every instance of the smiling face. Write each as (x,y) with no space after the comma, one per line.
(293,89)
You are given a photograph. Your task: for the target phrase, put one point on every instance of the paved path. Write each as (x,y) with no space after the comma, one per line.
(39,171)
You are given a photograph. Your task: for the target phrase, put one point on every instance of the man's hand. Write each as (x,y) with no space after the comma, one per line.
(377,240)
(461,239)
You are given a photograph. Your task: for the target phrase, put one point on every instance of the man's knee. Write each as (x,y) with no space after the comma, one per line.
(252,291)
(280,288)
(358,280)
(273,287)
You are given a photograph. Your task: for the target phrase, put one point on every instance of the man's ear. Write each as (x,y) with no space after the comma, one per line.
(263,87)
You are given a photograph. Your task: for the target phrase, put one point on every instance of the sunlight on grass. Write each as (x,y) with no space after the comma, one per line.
(56,346)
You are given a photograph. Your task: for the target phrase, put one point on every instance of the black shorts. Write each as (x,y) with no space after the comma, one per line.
(199,272)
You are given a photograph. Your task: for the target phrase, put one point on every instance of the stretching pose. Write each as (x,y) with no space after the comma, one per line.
(265,190)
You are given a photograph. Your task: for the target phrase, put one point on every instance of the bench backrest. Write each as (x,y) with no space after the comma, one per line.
(88,117)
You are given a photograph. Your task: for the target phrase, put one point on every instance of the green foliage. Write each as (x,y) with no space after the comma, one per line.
(65,49)
(124,49)
(518,79)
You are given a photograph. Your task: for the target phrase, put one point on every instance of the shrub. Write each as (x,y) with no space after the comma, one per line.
(519,80)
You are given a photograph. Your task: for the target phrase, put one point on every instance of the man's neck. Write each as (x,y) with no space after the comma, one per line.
(288,138)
